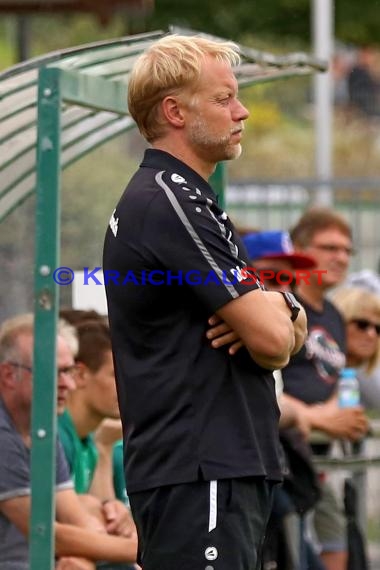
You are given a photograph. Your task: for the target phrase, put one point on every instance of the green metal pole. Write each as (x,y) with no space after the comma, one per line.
(45,310)
(218,181)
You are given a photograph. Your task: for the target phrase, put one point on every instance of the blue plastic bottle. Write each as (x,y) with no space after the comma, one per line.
(348,388)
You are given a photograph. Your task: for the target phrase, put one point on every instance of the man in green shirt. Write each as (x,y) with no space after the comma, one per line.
(81,453)
(87,442)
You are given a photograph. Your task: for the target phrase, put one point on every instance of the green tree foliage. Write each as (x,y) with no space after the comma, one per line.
(270,24)
(235,19)
(356,22)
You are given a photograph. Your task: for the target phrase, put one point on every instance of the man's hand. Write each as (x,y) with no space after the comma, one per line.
(221,334)
(302,423)
(73,563)
(118,519)
(344,423)
(108,432)
(293,415)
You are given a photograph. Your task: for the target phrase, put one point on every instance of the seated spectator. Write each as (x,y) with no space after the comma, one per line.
(87,441)
(370,382)
(361,311)
(109,430)
(76,530)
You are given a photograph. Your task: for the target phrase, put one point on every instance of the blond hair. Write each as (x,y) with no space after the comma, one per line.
(169,66)
(352,302)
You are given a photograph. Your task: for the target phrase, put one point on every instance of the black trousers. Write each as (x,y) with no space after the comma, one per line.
(203,525)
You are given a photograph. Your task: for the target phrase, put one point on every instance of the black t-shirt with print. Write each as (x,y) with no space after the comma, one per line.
(312,374)
(189,410)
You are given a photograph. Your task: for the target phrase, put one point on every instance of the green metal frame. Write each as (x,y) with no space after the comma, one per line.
(46,302)
(54,87)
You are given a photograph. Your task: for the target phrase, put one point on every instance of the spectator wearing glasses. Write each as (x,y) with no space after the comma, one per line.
(310,379)
(361,312)
(108,436)
(369,281)
(77,534)
(90,455)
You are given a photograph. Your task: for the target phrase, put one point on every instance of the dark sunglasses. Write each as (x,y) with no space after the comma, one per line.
(364,325)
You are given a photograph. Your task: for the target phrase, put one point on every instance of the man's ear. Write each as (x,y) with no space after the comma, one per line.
(172,111)
(7,374)
(81,375)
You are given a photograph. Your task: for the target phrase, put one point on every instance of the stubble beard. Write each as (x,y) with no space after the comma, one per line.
(213,147)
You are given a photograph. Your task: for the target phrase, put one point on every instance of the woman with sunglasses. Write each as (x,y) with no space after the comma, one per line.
(361,312)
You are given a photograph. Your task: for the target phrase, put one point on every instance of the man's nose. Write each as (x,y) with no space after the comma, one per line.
(241,113)
(67,381)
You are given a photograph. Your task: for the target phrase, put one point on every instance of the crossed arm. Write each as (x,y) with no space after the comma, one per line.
(76,532)
(348,423)
(259,320)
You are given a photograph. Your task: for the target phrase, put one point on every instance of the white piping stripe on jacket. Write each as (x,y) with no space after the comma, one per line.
(202,248)
(213,505)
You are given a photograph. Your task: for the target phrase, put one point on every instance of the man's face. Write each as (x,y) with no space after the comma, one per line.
(23,375)
(362,336)
(65,372)
(215,116)
(22,370)
(331,250)
(100,393)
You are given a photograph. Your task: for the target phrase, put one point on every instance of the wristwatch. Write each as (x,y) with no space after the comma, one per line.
(292,303)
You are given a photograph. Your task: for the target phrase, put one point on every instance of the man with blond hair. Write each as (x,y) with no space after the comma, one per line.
(77,532)
(200,424)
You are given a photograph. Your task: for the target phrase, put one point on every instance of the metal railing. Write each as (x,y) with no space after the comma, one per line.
(354,459)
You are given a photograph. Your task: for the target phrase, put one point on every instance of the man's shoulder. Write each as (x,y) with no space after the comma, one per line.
(164,198)
(7,428)
(67,433)
(149,185)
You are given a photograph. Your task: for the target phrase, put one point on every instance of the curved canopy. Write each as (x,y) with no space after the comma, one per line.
(84,128)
